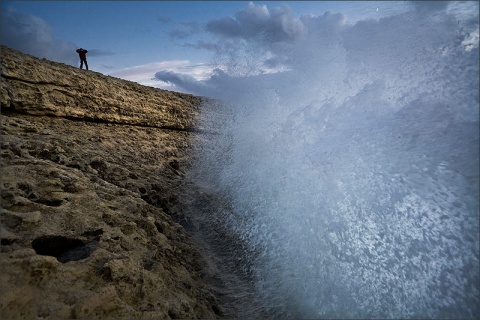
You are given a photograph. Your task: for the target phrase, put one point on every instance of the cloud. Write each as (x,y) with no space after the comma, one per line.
(181,80)
(108,67)
(259,40)
(258,22)
(325,25)
(34,36)
(224,26)
(309,45)
(429,6)
(209,87)
(99,52)
(146,74)
(471,40)
(179,33)
(164,19)
(185,30)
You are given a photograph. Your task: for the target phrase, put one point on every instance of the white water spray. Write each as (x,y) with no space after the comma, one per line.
(354,175)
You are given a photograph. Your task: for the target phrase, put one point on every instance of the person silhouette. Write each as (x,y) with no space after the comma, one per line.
(82,53)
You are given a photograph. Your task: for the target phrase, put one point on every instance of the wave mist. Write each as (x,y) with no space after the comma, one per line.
(353,174)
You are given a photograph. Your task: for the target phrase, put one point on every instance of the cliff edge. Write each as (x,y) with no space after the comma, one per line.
(92,169)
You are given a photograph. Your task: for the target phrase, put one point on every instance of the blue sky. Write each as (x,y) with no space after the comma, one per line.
(135,40)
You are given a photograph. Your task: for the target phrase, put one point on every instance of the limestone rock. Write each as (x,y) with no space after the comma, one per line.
(41,87)
(91,169)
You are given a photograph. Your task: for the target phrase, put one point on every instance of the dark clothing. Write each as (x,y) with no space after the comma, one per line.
(81,63)
(82,53)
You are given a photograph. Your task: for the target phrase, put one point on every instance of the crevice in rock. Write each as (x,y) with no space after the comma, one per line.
(10,110)
(50,202)
(34,82)
(159,227)
(74,166)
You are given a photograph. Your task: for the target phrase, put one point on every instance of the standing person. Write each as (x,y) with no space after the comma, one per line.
(83,57)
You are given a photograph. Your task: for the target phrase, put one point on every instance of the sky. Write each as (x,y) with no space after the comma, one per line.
(156,43)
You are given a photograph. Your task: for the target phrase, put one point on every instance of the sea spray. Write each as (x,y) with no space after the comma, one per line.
(353,173)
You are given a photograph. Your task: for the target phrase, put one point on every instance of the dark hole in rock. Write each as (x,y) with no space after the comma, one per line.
(78,253)
(71,188)
(142,190)
(174,164)
(6,242)
(98,165)
(32,196)
(31,130)
(148,265)
(49,155)
(164,205)
(147,199)
(74,166)
(50,203)
(63,248)
(159,227)
(172,314)
(133,176)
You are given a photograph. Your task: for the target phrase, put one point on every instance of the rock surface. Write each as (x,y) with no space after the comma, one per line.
(92,173)
(42,87)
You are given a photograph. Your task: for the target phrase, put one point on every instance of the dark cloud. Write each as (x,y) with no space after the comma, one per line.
(34,36)
(224,26)
(181,80)
(207,87)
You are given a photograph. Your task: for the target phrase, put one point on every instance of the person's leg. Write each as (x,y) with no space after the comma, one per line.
(81,63)
(86,64)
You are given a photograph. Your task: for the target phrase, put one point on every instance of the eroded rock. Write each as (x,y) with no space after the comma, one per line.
(91,168)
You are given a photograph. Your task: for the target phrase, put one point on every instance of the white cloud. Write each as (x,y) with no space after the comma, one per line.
(146,74)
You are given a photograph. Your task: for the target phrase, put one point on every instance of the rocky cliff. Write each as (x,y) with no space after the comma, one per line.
(92,182)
